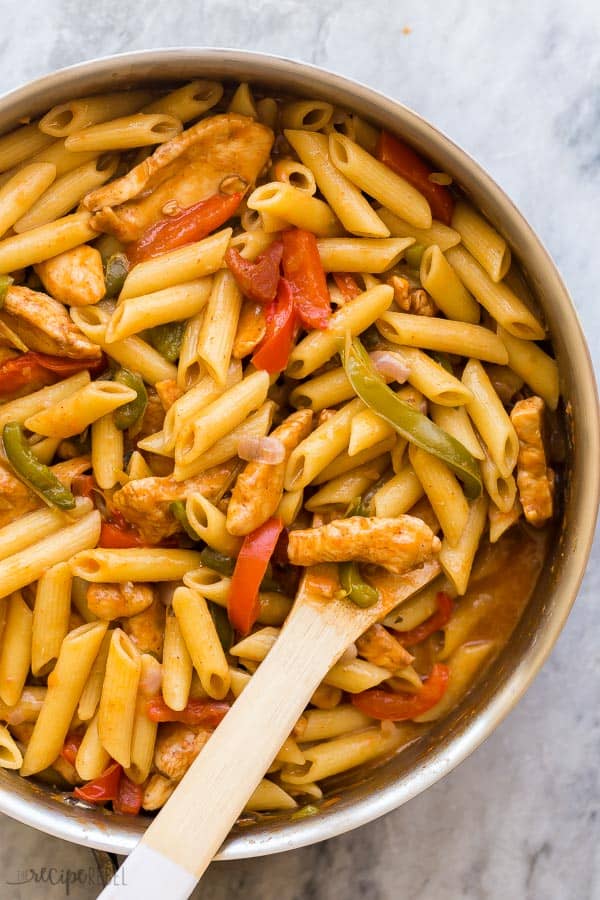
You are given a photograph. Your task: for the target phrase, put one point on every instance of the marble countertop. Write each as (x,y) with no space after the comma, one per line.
(517,86)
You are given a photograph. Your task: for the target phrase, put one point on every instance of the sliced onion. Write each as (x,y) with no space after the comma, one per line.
(349,654)
(390,365)
(267,450)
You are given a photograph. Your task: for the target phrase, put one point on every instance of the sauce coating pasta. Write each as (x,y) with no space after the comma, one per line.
(253,346)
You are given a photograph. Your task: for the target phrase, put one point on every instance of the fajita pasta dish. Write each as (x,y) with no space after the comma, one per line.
(243,338)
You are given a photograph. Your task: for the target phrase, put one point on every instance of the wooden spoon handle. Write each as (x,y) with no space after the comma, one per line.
(182,840)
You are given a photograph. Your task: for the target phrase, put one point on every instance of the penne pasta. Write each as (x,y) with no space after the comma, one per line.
(68,118)
(294,173)
(107,452)
(50,617)
(202,641)
(431,379)
(73,666)
(438,233)
(463,664)
(216,337)
(399,494)
(187,102)
(177,665)
(36,525)
(321,447)
(308,115)
(443,492)
(352,209)
(41,243)
(19,194)
(534,366)
(209,523)
(15,653)
(433,333)
(481,240)
(361,254)
(71,415)
(294,207)
(441,281)
(497,298)
(172,304)
(90,695)
(490,418)
(92,758)
(143,734)
(139,130)
(116,711)
(136,564)
(457,560)
(455,421)
(10,755)
(21,144)
(379,181)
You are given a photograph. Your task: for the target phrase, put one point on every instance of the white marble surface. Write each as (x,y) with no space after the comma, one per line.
(517,85)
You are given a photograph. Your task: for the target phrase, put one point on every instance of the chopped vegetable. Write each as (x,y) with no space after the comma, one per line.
(274,350)
(357,508)
(115,273)
(347,285)
(390,365)
(116,535)
(216,561)
(71,746)
(304,272)
(34,473)
(408,422)
(128,801)
(434,623)
(196,712)
(177,508)
(190,224)
(103,788)
(250,568)
(402,160)
(131,413)
(222,626)
(38,369)
(257,280)
(380,704)
(413,255)
(356,588)
(167,339)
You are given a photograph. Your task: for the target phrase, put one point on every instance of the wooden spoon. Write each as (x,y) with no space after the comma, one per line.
(183,838)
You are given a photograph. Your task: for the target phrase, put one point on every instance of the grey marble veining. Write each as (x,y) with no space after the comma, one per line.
(518,86)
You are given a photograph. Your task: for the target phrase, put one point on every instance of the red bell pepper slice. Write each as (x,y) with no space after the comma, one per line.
(274,350)
(128,801)
(71,746)
(84,486)
(381,704)
(115,535)
(303,269)
(103,788)
(191,224)
(196,712)
(403,160)
(438,620)
(250,568)
(36,370)
(347,285)
(257,280)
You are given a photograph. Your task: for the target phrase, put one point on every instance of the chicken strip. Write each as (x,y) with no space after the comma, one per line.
(397,544)
(378,646)
(146,629)
(177,746)
(15,498)
(43,324)
(259,488)
(534,479)
(75,277)
(185,170)
(114,601)
(145,502)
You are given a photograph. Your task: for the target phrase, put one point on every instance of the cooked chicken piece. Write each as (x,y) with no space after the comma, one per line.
(177,746)
(185,170)
(168,392)
(251,329)
(378,646)
(534,479)
(146,629)
(157,791)
(43,324)
(145,502)
(397,544)
(259,488)
(75,277)
(411,300)
(15,497)
(113,601)
(69,469)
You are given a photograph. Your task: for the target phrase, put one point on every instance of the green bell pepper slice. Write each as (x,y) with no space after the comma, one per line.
(167,339)
(130,414)
(34,473)
(408,422)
